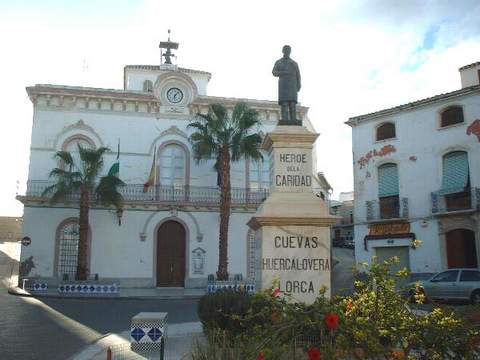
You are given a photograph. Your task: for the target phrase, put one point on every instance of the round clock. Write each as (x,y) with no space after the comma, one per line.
(174,95)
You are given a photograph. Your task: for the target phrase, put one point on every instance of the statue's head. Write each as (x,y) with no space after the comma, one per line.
(286,50)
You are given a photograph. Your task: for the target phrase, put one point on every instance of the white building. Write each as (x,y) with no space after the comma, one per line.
(417,176)
(169,235)
(342,231)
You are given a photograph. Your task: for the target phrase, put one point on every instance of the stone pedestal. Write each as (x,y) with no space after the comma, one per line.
(148,331)
(293,225)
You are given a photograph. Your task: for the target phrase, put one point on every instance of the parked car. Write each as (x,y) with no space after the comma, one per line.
(458,284)
(338,242)
(349,244)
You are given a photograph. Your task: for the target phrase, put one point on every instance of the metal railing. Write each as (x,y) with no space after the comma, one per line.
(465,200)
(387,208)
(193,195)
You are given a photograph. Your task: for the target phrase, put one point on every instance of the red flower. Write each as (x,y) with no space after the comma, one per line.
(314,353)
(260,356)
(331,319)
(349,304)
(276,292)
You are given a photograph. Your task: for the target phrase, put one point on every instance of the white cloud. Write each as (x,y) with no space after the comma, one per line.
(353,55)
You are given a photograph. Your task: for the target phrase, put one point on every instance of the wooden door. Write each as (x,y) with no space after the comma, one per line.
(461,249)
(171,255)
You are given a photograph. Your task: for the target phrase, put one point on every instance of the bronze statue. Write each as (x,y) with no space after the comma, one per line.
(288,86)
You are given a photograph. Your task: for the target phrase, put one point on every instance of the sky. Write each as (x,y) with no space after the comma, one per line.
(354,56)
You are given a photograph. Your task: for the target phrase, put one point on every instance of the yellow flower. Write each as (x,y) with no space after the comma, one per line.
(416,243)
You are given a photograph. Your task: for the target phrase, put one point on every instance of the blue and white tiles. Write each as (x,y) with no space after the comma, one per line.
(227,285)
(93,288)
(148,332)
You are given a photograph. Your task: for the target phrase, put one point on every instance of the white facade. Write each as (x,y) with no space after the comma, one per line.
(145,117)
(423,209)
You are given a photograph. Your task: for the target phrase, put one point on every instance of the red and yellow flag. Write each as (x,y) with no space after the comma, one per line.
(153,174)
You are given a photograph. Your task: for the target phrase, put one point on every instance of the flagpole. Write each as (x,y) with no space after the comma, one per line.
(155,162)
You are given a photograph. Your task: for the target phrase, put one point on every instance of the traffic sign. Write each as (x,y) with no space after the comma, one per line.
(26,241)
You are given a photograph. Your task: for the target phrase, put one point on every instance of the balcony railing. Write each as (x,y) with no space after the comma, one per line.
(185,195)
(465,200)
(391,207)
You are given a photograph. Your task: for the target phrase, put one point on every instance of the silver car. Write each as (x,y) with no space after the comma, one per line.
(459,284)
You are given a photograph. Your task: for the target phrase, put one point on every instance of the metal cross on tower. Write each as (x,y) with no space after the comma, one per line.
(169,46)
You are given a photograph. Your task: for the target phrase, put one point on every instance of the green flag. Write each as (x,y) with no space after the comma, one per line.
(115,169)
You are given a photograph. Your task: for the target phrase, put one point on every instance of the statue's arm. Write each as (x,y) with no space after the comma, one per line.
(275,70)
(299,80)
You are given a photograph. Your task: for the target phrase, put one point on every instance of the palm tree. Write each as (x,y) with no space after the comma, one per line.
(80,177)
(225,138)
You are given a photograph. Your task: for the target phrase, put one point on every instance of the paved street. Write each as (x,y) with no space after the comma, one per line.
(58,328)
(342,272)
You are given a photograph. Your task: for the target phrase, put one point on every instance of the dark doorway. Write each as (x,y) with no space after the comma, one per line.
(171,255)
(461,249)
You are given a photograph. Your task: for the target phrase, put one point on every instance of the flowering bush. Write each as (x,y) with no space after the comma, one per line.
(373,323)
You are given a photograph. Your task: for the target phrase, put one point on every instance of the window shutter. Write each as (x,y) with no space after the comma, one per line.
(455,173)
(387,180)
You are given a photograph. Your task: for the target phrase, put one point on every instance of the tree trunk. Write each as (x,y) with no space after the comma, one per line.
(225,202)
(82,260)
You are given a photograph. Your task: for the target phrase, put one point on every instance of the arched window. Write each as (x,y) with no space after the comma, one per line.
(388,191)
(172,165)
(148,86)
(456,181)
(71,145)
(68,235)
(259,174)
(386,131)
(455,174)
(452,115)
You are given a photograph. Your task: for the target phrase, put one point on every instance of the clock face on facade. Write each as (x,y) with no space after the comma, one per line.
(174,95)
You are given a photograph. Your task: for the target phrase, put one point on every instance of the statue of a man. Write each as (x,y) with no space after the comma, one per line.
(288,86)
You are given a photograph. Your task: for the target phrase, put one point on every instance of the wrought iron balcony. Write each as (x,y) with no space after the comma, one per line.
(391,207)
(460,201)
(181,195)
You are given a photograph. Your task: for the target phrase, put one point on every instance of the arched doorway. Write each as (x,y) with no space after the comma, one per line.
(461,249)
(171,254)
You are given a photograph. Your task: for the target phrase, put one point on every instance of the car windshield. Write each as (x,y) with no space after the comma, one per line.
(446,276)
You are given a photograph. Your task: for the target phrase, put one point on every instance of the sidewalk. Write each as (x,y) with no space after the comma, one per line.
(124,293)
(179,341)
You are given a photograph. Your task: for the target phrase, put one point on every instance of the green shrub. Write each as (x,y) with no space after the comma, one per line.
(373,323)
(224,310)
(221,346)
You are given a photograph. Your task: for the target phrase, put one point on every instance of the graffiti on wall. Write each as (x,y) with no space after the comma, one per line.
(474,129)
(384,151)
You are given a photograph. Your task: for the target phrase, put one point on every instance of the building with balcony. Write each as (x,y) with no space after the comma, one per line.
(417,177)
(168,235)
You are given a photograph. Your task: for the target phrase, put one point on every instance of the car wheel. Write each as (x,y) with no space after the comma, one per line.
(475,297)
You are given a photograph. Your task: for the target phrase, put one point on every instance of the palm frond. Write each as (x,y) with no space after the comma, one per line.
(92,163)
(58,192)
(249,148)
(65,175)
(216,129)
(66,158)
(107,191)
